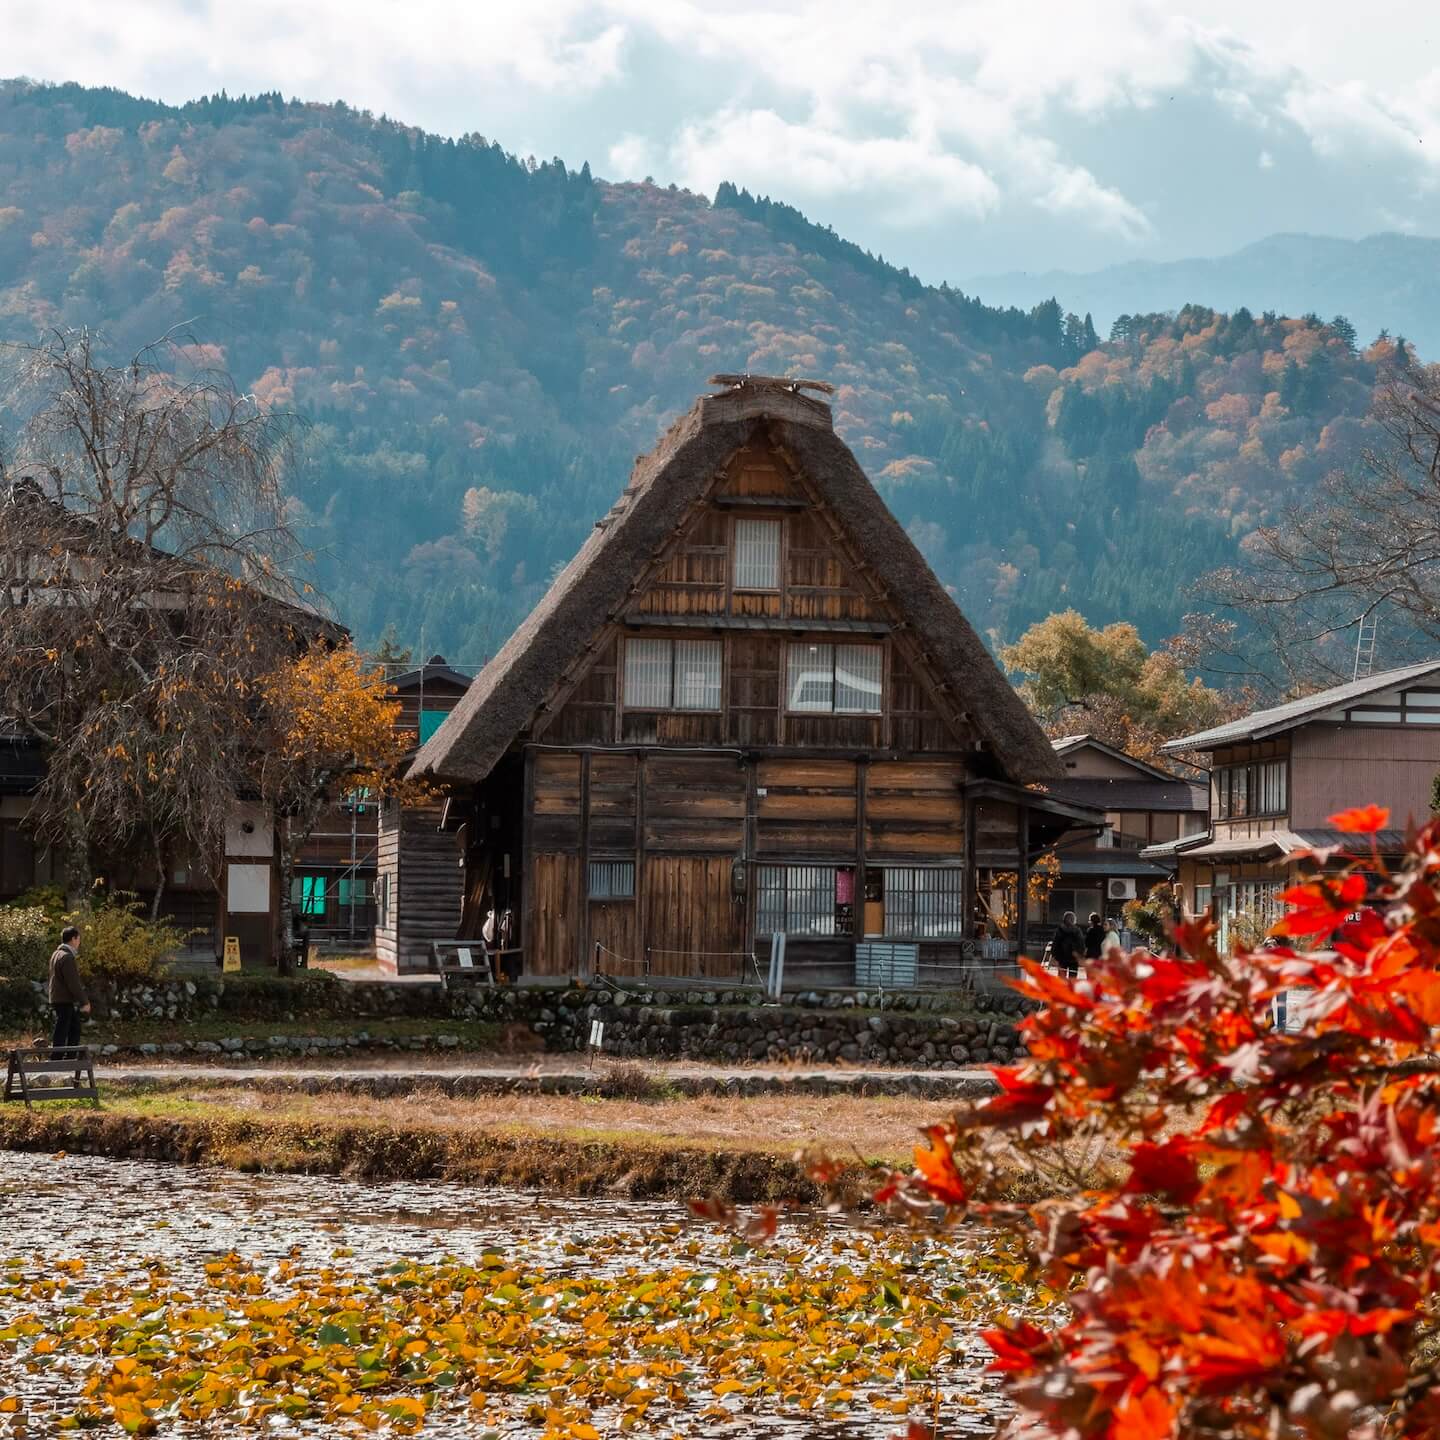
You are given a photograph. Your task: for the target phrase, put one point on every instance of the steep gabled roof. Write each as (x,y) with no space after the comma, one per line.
(1279,718)
(595,586)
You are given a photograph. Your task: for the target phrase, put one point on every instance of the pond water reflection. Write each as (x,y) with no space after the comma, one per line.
(151,1230)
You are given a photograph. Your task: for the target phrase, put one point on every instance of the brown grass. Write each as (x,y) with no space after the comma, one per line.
(879,1128)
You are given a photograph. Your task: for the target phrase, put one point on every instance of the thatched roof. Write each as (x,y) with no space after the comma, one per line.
(595,587)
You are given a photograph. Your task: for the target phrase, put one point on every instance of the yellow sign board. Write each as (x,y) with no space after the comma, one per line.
(232,952)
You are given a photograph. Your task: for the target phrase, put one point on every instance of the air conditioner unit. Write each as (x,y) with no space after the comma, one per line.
(1120,890)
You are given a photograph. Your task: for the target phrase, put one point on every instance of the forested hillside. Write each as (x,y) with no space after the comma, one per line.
(480,345)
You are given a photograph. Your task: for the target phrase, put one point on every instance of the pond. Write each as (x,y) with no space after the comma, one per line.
(194,1302)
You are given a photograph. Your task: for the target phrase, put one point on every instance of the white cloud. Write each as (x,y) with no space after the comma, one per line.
(909,179)
(631,157)
(918,115)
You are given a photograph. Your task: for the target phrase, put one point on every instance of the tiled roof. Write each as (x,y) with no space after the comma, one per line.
(1296,712)
(1131,794)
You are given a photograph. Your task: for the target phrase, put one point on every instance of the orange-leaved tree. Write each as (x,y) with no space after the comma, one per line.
(331,731)
(1258,1256)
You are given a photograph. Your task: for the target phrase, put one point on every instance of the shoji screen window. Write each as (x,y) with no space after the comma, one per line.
(835,679)
(672,674)
(757,555)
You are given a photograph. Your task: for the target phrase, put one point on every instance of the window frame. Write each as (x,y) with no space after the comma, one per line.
(613,865)
(834,647)
(1252,789)
(904,884)
(672,644)
(797,880)
(778,525)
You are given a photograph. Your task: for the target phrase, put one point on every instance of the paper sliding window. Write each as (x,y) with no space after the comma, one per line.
(672,674)
(838,679)
(757,554)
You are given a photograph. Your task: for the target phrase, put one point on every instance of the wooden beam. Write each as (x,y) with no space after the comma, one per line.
(769,623)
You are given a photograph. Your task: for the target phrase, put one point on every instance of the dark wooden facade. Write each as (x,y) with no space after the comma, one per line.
(802,762)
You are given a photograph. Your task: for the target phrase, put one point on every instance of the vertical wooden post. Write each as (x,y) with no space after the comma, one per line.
(862,781)
(1022,900)
(642,939)
(582,923)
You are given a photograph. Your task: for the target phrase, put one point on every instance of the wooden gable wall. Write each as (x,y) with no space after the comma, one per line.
(823,596)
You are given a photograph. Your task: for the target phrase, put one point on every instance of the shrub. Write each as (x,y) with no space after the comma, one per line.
(50,899)
(119,944)
(1261,1261)
(26,940)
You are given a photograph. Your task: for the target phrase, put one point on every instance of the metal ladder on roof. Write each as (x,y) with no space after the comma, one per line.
(1365,647)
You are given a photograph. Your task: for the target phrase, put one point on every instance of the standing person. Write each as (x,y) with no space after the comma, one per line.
(1112,936)
(1068,945)
(1094,938)
(67,994)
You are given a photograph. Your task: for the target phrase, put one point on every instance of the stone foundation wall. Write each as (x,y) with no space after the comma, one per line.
(915,1031)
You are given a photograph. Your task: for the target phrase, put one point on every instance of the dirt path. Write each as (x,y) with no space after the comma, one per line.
(393,1073)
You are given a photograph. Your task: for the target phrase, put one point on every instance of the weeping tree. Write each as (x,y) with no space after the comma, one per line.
(1365,548)
(145,556)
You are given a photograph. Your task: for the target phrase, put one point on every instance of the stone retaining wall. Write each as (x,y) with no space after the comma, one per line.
(917,1031)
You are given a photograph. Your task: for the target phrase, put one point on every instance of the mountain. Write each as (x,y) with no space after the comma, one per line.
(479,344)
(1384,282)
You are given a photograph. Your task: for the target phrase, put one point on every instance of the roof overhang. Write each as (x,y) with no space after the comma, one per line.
(1037,802)
(1259,847)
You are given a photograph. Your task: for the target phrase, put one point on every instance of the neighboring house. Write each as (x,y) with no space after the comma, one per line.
(245,902)
(334,887)
(1278,775)
(1143,806)
(746,707)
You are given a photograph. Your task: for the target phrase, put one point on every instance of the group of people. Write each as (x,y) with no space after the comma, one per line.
(1070,944)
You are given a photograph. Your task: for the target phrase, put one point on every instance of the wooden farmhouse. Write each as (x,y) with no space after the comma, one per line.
(748,707)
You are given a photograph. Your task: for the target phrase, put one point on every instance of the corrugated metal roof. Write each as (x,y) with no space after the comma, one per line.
(1296,712)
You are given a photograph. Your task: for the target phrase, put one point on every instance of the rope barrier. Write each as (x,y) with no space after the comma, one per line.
(704,954)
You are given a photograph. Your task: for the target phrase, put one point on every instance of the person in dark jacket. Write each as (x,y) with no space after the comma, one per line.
(1068,944)
(1094,939)
(67,994)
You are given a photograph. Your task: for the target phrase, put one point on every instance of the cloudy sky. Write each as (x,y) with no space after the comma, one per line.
(958,138)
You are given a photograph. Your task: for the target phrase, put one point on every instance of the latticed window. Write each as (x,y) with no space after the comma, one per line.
(672,674)
(612,879)
(835,679)
(798,899)
(924,904)
(757,554)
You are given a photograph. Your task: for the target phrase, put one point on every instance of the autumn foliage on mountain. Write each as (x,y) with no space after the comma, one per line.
(1263,1260)
(480,345)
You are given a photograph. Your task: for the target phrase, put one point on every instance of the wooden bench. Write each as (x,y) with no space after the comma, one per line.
(26,1064)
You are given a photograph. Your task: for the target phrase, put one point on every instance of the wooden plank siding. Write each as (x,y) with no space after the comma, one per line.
(761,785)
(426,882)
(914,809)
(807,808)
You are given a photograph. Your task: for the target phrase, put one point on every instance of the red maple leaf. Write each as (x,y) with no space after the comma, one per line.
(1361,819)
(935,1160)
(1167,1170)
